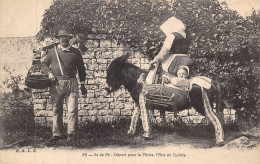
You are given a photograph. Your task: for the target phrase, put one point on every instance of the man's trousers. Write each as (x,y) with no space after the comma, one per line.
(65,90)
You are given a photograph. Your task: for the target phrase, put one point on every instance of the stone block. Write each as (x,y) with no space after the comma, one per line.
(107,55)
(40,90)
(49,106)
(88,54)
(112,105)
(105,43)
(39,101)
(85,119)
(129,105)
(49,121)
(100,80)
(81,100)
(192,111)
(169,118)
(126,112)
(97,106)
(93,112)
(114,43)
(36,95)
(100,73)
(138,55)
(185,120)
(183,113)
(156,113)
(135,61)
(116,112)
(232,111)
(100,93)
(102,61)
(90,81)
(40,120)
(91,100)
(93,118)
(83,112)
(92,43)
(144,61)
(197,119)
(102,67)
(112,119)
(89,74)
(45,93)
(80,106)
(87,107)
(229,119)
(105,112)
(119,105)
(226,111)
(100,119)
(87,61)
(110,99)
(118,53)
(43,113)
(91,86)
(39,106)
(92,67)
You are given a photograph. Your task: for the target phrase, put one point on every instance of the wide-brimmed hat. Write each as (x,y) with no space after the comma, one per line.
(63,32)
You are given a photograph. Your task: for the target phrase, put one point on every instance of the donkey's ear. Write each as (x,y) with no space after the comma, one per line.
(124,58)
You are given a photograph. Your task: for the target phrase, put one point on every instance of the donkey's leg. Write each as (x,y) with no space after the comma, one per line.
(162,119)
(145,116)
(213,118)
(134,120)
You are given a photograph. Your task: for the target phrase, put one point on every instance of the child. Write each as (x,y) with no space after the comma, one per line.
(181,81)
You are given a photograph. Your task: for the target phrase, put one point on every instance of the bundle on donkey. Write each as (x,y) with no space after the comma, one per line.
(120,72)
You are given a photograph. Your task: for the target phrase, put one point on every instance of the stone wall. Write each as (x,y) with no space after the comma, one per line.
(98,106)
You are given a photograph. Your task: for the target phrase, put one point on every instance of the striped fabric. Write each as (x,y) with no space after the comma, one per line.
(213,118)
(146,121)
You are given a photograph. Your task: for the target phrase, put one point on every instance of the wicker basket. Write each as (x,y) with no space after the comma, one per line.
(158,94)
(36,79)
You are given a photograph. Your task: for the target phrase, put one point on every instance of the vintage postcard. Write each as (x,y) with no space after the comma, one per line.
(131,81)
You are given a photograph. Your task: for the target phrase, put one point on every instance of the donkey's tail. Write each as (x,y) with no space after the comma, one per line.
(219,102)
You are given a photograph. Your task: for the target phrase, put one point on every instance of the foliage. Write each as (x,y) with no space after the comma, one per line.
(224,44)
(16,114)
(11,79)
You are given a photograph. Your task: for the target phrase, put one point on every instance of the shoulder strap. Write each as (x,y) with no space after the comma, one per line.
(57,55)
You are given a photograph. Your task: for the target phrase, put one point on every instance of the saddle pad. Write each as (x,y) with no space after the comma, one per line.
(201,81)
(159,94)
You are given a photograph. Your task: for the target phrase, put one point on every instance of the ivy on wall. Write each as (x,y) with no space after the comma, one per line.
(224,44)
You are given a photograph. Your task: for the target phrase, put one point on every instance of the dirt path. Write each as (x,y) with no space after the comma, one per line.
(187,146)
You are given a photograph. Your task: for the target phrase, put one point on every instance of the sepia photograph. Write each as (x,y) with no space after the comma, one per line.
(129,81)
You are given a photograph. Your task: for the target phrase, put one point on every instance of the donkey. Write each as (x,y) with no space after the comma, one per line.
(120,72)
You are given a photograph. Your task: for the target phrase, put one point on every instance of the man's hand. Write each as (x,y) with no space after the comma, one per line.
(83,90)
(51,76)
(152,64)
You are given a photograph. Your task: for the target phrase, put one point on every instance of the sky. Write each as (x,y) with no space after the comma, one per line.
(22,18)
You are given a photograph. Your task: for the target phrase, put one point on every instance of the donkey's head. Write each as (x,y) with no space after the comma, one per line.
(115,78)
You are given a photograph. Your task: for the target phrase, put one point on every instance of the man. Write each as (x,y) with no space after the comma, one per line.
(64,62)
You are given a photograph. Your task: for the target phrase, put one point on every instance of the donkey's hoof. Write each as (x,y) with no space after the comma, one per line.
(220,144)
(130,133)
(147,136)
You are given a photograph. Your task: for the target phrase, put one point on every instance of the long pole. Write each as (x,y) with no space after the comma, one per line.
(58,60)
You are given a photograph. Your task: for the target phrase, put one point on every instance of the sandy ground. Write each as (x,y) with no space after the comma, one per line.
(164,148)
(166,154)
